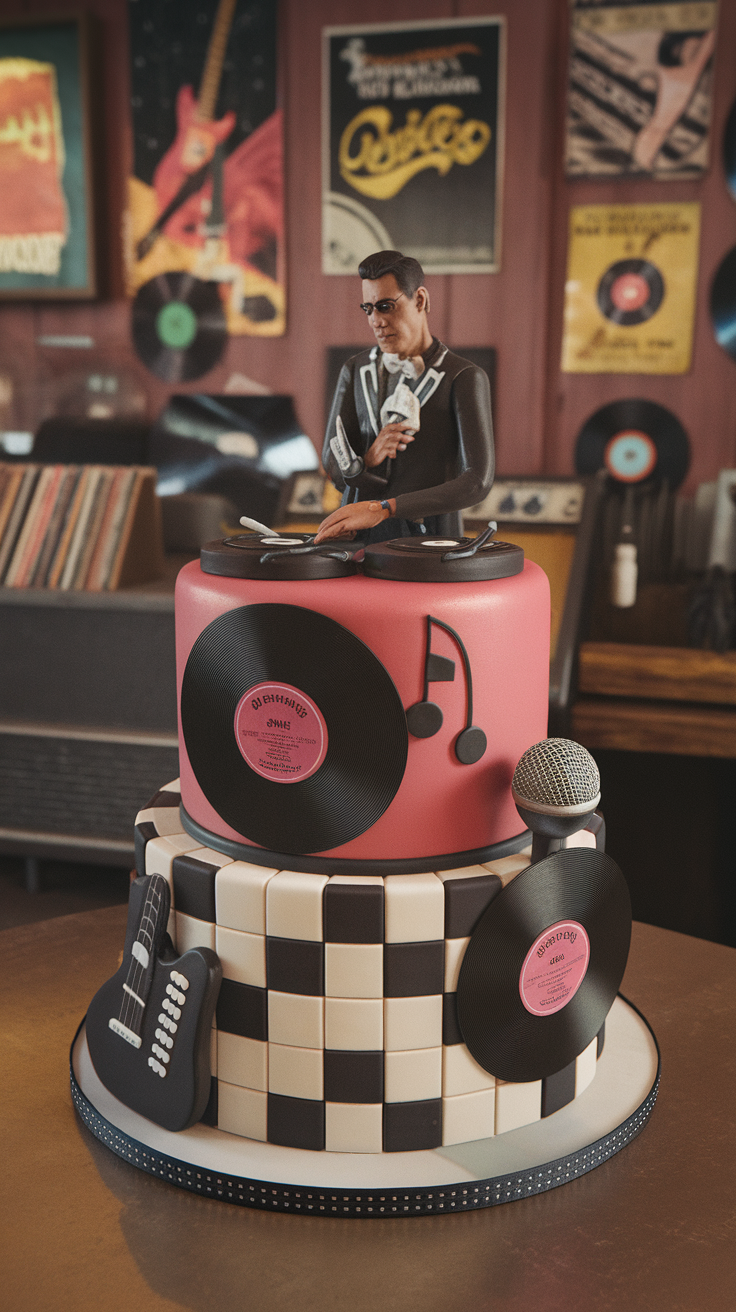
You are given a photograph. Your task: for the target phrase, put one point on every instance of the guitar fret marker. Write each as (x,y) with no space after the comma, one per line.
(141,954)
(133,995)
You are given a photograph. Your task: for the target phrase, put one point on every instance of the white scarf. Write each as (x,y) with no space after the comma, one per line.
(411,368)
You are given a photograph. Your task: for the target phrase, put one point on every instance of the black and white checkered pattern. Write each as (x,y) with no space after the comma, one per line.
(336,1025)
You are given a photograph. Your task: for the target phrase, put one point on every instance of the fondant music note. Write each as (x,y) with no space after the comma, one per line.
(424,718)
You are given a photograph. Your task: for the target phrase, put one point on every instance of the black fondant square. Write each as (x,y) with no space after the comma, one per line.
(209,1115)
(295,965)
(413,970)
(142,834)
(164,799)
(296,1122)
(410,1126)
(353,913)
(353,1076)
(558,1089)
(243,1009)
(601,1040)
(194,887)
(450,1026)
(465,902)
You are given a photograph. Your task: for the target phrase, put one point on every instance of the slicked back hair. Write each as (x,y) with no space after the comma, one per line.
(407,271)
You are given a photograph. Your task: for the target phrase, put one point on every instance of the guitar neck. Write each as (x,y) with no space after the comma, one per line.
(137,986)
(210,84)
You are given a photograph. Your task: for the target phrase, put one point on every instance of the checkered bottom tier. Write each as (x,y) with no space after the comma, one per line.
(336,1026)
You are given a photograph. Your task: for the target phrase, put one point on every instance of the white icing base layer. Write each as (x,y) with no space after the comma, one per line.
(627,1071)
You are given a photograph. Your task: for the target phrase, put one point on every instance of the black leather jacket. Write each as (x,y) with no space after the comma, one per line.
(450,464)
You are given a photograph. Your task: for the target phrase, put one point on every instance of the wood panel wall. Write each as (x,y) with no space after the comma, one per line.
(518,310)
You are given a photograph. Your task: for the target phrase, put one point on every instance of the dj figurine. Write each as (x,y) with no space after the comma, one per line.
(410,435)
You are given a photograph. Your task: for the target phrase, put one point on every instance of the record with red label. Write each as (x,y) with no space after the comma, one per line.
(544,965)
(630,291)
(635,440)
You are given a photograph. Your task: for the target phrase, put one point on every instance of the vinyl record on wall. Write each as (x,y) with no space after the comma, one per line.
(178,326)
(723,303)
(729,151)
(634,439)
(294,729)
(544,964)
(630,291)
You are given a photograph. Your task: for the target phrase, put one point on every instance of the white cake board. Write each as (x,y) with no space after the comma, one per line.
(530,1160)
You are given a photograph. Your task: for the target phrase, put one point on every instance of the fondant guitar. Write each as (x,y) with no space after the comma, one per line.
(148,1028)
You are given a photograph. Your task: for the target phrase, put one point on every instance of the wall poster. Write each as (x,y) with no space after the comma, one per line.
(632,273)
(412,143)
(206,195)
(46,228)
(640,87)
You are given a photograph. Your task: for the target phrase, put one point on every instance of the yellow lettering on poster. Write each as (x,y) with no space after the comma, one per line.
(384,160)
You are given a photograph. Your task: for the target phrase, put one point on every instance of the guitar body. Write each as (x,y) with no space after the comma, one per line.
(148,1027)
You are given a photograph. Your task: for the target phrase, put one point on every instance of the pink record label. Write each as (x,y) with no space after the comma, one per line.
(554,968)
(280,732)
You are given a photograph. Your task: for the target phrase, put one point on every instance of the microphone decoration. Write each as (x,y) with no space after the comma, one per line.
(424,718)
(556,788)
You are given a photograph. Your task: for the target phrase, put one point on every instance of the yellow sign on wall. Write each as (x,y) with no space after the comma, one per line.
(630,289)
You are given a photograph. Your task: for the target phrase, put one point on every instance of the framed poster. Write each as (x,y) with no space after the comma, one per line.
(46,223)
(640,88)
(206,194)
(412,143)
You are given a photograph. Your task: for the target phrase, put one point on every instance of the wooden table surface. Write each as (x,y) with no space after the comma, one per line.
(653,1228)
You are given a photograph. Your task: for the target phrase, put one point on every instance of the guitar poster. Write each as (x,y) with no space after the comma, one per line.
(206,195)
(640,88)
(412,143)
(632,273)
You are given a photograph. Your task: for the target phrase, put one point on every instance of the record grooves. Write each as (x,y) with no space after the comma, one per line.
(178,326)
(505,1038)
(634,417)
(366,733)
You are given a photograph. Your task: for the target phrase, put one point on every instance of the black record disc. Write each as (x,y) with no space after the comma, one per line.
(179,327)
(729,151)
(629,431)
(279,556)
(560,931)
(255,771)
(723,304)
(630,291)
(440,560)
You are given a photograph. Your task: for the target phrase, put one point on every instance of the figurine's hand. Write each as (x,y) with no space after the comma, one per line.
(392,438)
(348,520)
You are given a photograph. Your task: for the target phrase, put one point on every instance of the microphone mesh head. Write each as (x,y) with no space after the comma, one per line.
(557,772)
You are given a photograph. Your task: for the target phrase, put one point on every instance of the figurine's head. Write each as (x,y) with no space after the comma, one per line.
(396,302)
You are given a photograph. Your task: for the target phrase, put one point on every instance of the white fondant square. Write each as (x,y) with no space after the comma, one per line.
(243,956)
(585,1066)
(508,867)
(173,787)
(242,1111)
(353,1127)
(295,1072)
(454,953)
(354,970)
(211,857)
(468,1116)
(583,838)
(415,908)
(240,896)
(517,1104)
(355,879)
(160,853)
(295,1019)
(193,933)
(354,1024)
(463,872)
(412,1023)
(413,1076)
(294,905)
(242,1061)
(165,818)
(461,1072)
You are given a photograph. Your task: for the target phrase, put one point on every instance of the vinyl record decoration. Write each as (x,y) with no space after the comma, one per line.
(634,439)
(279,556)
(723,304)
(630,292)
(179,327)
(729,151)
(544,965)
(294,729)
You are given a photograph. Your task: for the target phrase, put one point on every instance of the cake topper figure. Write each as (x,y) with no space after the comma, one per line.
(410,437)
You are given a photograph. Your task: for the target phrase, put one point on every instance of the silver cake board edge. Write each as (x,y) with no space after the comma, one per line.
(369,1202)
